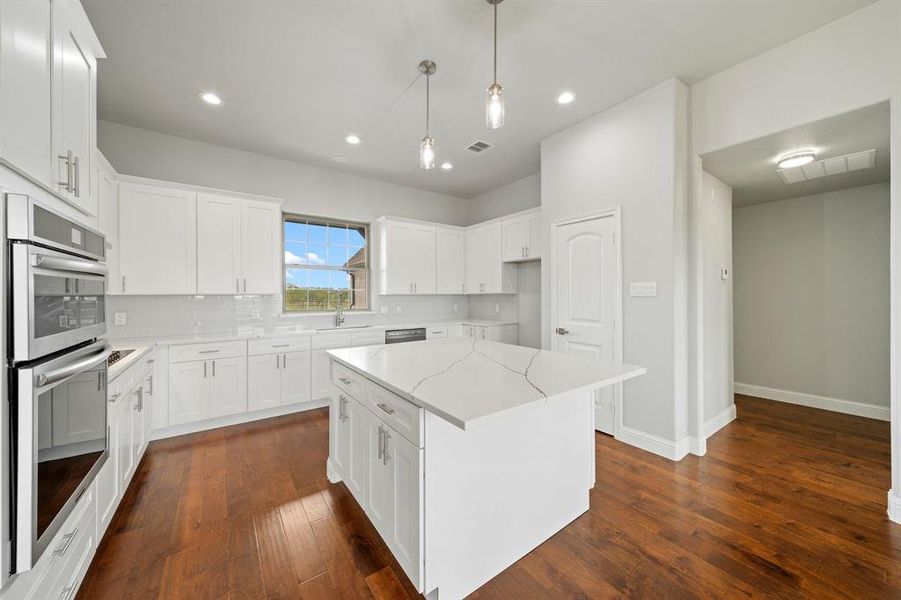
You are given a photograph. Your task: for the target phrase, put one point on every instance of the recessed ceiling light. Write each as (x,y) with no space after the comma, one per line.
(352,139)
(447,166)
(211,98)
(339,159)
(796,160)
(565,98)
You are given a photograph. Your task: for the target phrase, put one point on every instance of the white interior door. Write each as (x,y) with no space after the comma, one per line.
(586,280)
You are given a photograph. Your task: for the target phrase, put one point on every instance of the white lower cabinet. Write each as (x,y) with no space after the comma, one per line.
(506,334)
(320,366)
(189,392)
(383,470)
(278,379)
(228,386)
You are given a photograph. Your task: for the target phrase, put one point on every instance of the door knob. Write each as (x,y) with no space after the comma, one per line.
(562,331)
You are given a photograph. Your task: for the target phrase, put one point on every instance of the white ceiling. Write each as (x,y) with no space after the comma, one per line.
(296,77)
(751,170)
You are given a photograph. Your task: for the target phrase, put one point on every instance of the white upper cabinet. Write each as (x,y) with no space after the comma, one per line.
(261,248)
(25,67)
(157,240)
(218,245)
(522,236)
(74,103)
(48,96)
(407,257)
(450,272)
(486,273)
(237,246)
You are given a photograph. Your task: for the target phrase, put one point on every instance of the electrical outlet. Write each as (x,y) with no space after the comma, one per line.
(398,309)
(120,318)
(384,309)
(456,307)
(497,308)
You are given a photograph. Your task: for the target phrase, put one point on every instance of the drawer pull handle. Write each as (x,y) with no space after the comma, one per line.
(344,380)
(385,408)
(209,351)
(280,345)
(67,541)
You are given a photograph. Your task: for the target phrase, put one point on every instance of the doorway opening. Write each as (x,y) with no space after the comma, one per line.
(796,260)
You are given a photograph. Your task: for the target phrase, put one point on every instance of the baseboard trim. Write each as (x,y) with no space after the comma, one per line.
(894,506)
(848,407)
(719,421)
(654,444)
(198,426)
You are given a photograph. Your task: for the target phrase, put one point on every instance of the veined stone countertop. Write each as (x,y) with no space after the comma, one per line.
(467,381)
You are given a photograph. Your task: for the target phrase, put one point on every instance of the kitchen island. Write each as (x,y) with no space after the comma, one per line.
(465,454)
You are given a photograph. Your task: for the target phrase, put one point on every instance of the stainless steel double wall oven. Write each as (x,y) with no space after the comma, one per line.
(57,352)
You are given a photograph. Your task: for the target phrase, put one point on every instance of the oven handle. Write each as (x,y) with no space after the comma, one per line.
(51,377)
(70,265)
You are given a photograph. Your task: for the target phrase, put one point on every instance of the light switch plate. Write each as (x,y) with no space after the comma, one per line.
(120,318)
(724,273)
(643,289)
(384,309)
(456,307)
(497,308)
(398,309)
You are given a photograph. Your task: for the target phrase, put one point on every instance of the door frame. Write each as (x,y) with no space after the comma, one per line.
(614,213)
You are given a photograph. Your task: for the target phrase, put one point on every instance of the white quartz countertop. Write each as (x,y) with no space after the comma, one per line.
(256,333)
(467,381)
(122,364)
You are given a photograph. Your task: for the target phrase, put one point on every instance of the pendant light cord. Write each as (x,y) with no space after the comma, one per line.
(495,43)
(428,79)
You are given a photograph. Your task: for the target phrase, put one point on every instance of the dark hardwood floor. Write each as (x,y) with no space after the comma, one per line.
(789,502)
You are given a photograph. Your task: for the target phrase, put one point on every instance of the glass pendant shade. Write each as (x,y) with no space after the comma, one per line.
(494,107)
(427,153)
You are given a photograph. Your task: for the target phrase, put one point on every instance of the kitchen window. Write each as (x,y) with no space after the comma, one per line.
(326,264)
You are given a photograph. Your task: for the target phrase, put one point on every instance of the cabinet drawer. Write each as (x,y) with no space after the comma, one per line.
(402,416)
(368,338)
(68,552)
(349,381)
(297,343)
(435,333)
(190,352)
(341,339)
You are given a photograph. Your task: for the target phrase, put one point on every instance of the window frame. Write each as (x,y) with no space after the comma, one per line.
(326,221)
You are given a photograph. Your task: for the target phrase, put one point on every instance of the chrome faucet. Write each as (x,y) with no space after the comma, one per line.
(339,315)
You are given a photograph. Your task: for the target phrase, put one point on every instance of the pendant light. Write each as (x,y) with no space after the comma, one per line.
(427,147)
(494,107)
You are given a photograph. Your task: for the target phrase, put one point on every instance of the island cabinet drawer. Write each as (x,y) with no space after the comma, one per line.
(402,416)
(349,381)
(278,345)
(210,351)
(436,333)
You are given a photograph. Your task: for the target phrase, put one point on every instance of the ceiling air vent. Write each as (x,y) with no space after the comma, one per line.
(479,146)
(830,166)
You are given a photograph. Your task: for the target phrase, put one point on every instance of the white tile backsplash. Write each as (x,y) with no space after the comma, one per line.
(159,316)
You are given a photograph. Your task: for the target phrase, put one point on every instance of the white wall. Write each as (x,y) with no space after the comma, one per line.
(520,195)
(812,295)
(633,155)
(306,189)
(528,300)
(716,233)
(848,64)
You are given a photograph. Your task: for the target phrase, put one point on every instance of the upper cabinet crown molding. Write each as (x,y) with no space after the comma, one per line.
(200,189)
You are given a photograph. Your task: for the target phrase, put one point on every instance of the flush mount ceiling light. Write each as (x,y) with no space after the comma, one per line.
(427,146)
(829,166)
(494,107)
(447,166)
(352,139)
(340,159)
(565,98)
(798,159)
(211,98)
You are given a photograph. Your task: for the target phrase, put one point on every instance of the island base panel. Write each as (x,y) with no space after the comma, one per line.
(495,492)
